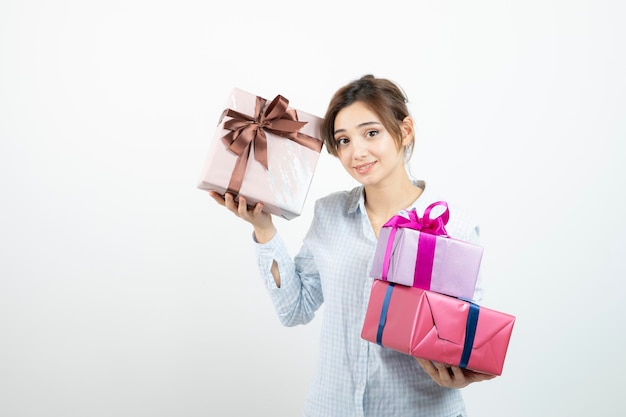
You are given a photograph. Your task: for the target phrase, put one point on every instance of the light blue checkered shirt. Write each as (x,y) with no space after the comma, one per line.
(355,377)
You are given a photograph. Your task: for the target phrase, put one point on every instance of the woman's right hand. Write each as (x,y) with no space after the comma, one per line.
(262,222)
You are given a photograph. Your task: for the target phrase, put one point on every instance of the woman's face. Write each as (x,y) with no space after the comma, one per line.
(365,148)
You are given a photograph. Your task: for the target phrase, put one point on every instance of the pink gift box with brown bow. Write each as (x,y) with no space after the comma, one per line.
(266,151)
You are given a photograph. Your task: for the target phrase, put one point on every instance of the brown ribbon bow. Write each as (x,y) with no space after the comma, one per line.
(246,130)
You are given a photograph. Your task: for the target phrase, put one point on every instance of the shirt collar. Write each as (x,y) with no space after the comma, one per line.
(357,198)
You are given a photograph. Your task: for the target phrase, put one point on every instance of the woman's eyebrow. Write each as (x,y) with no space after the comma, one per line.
(364,124)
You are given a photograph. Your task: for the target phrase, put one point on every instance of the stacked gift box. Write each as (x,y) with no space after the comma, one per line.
(421,301)
(265,151)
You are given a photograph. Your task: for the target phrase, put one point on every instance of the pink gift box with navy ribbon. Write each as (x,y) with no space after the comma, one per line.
(437,327)
(417,251)
(264,150)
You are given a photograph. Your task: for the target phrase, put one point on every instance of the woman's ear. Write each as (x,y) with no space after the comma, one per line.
(408,131)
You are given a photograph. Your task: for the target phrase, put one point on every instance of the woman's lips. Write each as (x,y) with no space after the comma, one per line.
(364,168)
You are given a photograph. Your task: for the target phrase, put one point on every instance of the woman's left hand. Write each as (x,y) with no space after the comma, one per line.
(451,376)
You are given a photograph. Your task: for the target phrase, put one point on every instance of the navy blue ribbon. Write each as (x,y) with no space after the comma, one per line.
(383,314)
(470,333)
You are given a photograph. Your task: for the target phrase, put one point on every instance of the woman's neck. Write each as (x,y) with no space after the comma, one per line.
(382,202)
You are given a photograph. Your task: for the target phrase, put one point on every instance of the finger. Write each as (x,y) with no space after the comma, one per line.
(455,370)
(482,377)
(457,374)
(217,197)
(429,367)
(242,209)
(258,209)
(438,372)
(229,202)
(426,365)
(447,374)
(478,376)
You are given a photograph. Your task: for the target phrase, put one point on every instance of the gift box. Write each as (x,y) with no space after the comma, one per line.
(265,151)
(418,252)
(438,327)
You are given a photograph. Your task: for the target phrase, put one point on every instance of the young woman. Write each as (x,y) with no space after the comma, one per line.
(369,129)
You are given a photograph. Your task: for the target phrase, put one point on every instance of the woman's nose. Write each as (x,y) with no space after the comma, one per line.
(360,148)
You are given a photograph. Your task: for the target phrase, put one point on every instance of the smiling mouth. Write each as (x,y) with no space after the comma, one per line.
(364,167)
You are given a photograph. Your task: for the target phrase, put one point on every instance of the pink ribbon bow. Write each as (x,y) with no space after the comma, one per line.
(429,228)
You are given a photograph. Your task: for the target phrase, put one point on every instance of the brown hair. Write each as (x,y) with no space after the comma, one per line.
(382,96)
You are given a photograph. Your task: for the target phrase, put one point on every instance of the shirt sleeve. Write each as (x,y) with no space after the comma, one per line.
(300,292)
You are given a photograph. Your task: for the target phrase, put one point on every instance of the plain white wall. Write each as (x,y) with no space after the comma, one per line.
(125,291)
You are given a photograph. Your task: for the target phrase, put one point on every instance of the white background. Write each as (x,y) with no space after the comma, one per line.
(126,291)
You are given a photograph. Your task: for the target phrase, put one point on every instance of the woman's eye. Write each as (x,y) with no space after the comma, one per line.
(371,133)
(342,141)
